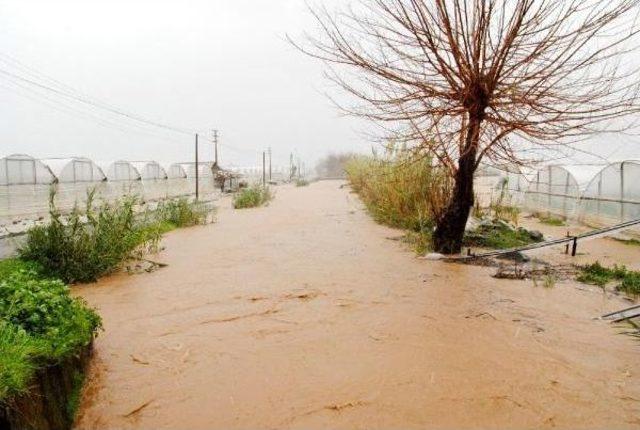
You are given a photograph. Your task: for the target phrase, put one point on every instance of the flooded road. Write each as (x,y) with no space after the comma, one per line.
(306,314)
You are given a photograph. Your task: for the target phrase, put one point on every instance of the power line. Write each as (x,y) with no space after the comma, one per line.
(98,105)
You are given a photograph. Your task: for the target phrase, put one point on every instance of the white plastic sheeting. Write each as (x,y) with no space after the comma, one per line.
(204,169)
(76,169)
(22,169)
(175,171)
(557,189)
(122,171)
(613,195)
(149,170)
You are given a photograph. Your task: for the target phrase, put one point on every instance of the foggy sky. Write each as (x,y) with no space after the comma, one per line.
(193,64)
(198,65)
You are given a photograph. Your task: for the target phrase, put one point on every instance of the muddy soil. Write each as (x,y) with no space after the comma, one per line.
(305,315)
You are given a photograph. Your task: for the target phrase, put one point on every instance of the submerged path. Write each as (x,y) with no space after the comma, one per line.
(305,314)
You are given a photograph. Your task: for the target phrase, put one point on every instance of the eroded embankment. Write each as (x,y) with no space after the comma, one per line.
(304,315)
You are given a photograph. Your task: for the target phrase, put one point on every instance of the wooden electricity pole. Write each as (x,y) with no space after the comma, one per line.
(215,143)
(197,173)
(264,172)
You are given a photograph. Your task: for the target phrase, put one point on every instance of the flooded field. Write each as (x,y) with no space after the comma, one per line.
(306,314)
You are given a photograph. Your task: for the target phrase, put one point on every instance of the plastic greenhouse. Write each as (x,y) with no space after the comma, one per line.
(122,171)
(22,169)
(613,195)
(175,171)
(204,169)
(76,169)
(150,170)
(557,189)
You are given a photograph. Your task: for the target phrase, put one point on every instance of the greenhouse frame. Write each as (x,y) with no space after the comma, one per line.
(22,169)
(122,171)
(613,195)
(176,171)
(150,170)
(75,169)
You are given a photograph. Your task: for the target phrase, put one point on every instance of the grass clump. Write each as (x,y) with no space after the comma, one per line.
(19,354)
(180,213)
(597,274)
(500,235)
(549,219)
(252,197)
(40,324)
(402,191)
(301,182)
(630,242)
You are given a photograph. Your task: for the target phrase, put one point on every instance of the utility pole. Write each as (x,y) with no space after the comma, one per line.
(269,163)
(291,166)
(215,142)
(264,173)
(197,172)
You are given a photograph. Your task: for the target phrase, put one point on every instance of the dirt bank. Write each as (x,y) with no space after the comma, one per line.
(305,315)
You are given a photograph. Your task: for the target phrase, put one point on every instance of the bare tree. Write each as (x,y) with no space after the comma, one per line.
(467,81)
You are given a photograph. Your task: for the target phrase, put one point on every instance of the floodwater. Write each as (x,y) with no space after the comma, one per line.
(306,314)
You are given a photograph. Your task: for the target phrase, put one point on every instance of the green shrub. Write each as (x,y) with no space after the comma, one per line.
(44,308)
(301,182)
(252,197)
(85,246)
(40,324)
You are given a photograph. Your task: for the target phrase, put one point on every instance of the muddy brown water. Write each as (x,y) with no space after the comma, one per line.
(305,315)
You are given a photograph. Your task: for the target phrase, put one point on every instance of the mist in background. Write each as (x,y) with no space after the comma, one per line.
(196,65)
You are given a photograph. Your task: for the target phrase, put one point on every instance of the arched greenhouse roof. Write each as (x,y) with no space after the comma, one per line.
(23,169)
(121,171)
(75,169)
(150,170)
(176,170)
(204,169)
(613,194)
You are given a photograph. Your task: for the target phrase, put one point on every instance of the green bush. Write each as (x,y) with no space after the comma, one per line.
(301,182)
(44,308)
(252,197)
(89,244)
(40,324)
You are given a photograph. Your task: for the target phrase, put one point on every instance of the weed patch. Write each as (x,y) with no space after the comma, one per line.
(550,220)
(630,242)
(301,182)
(500,235)
(596,274)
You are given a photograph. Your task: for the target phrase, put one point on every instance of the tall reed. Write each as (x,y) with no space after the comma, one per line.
(405,191)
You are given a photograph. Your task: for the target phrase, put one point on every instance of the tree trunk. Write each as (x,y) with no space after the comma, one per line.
(447,238)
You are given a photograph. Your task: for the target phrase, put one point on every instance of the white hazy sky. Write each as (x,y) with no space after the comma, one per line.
(195,64)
